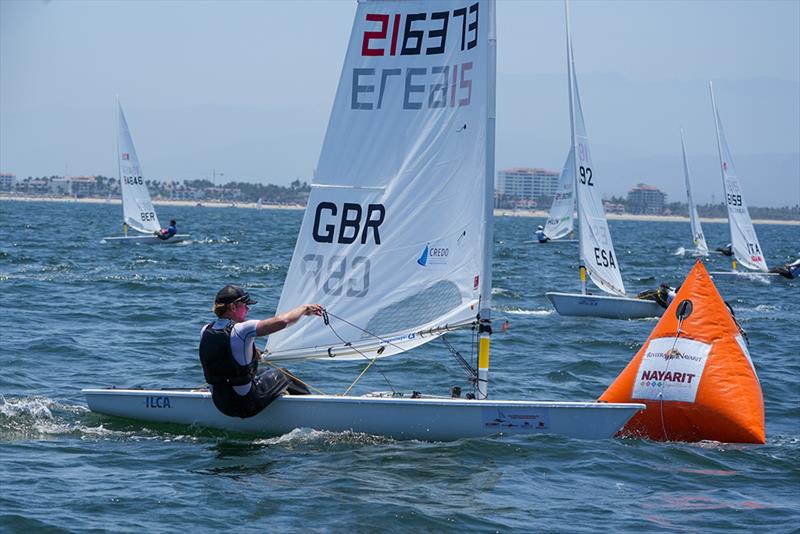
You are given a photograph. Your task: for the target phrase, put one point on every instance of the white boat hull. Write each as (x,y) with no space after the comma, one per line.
(143,239)
(607,306)
(429,419)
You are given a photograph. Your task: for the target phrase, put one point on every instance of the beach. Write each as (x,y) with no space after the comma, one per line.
(498,212)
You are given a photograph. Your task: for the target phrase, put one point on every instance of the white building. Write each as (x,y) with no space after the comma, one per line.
(646,199)
(60,186)
(7,182)
(83,186)
(524,183)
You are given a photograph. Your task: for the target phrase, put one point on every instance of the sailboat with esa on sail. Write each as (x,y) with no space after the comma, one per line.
(745,248)
(138,212)
(598,259)
(396,242)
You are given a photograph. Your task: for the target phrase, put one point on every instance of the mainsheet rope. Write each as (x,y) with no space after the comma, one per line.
(326,315)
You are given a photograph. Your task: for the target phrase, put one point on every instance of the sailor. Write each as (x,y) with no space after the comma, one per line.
(230,358)
(663,295)
(727,250)
(789,270)
(540,234)
(166,233)
(666,295)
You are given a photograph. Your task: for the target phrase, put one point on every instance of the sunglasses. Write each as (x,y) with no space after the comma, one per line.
(244,299)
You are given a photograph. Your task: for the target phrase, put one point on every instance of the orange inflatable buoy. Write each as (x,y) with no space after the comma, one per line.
(694,373)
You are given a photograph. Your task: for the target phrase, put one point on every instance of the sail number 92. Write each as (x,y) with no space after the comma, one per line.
(585,175)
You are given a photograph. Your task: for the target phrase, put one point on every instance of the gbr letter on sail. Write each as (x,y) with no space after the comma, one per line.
(392,238)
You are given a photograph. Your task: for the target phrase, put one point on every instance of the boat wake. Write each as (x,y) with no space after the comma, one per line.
(24,417)
(521,311)
(680,252)
(44,418)
(500,291)
(307,437)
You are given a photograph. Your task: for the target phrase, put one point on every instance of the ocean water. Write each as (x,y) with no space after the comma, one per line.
(79,313)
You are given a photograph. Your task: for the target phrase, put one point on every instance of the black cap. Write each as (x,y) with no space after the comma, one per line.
(231,293)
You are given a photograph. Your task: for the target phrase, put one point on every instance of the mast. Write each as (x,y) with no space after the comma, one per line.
(570,70)
(485,326)
(119,170)
(721,163)
(694,218)
(689,199)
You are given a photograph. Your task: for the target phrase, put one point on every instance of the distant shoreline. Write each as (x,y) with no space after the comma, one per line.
(498,212)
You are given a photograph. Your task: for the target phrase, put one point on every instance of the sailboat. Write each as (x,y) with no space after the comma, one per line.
(597,256)
(560,219)
(396,242)
(744,242)
(699,240)
(138,213)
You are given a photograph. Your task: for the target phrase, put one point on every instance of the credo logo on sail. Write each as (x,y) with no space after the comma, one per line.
(434,254)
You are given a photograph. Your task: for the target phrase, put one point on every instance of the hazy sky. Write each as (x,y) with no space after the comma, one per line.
(245,88)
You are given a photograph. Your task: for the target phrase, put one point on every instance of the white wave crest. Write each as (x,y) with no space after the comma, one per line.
(309,436)
(521,311)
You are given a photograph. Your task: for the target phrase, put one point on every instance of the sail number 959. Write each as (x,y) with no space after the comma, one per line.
(734,200)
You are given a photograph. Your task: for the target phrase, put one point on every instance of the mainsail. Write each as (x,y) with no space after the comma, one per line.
(392,239)
(559,220)
(597,250)
(697,231)
(137,208)
(744,241)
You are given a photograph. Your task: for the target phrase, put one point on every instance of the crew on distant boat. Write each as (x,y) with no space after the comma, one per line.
(789,270)
(540,235)
(166,233)
(662,295)
(727,250)
(230,359)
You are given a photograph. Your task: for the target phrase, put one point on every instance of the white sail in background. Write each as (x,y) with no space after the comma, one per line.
(597,250)
(697,231)
(559,220)
(744,241)
(392,237)
(137,208)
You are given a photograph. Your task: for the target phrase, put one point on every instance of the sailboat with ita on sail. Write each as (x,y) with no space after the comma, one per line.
(138,213)
(699,240)
(397,238)
(597,257)
(745,249)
